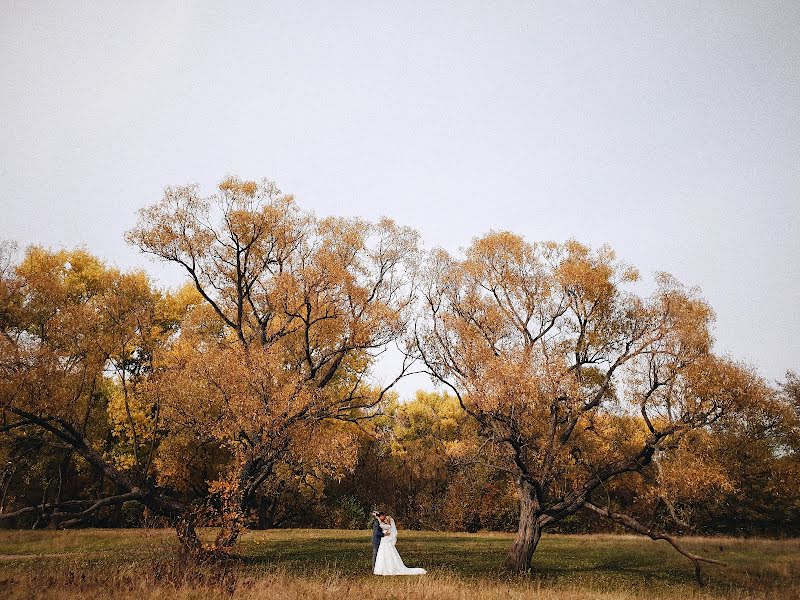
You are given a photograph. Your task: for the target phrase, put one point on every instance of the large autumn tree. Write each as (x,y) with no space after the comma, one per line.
(295,310)
(546,345)
(77,339)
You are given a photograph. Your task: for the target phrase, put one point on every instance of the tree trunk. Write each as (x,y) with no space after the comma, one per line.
(234,505)
(182,517)
(232,523)
(263,517)
(529,532)
(187,535)
(237,500)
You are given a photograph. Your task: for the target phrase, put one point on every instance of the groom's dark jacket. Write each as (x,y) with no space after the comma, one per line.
(377,533)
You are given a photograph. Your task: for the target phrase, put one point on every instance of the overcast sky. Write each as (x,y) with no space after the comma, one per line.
(668,130)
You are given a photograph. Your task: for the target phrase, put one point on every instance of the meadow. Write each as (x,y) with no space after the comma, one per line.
(310,564)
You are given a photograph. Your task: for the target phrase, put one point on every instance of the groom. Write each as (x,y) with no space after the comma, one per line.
(377,534)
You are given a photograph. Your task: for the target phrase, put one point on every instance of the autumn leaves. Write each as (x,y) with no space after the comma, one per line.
(573,378)
(190,402)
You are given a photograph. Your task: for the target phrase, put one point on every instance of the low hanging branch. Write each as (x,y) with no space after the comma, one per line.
(43,508)
(103,502)
(636,526)
(74,512)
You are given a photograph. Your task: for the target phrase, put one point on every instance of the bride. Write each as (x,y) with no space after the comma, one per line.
(388,561)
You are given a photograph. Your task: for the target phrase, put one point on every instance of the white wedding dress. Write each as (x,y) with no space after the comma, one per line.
(388,561)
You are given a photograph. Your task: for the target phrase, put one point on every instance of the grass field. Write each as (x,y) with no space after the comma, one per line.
(335,564)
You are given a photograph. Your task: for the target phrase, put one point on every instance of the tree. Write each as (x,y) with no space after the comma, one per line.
(791,391)
(439,479)
(301,308)
(758,450)
(544,345)
(76,344)
(421,438)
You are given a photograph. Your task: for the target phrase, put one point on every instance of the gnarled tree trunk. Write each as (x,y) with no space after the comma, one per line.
(187,535)
(233,507)
(530,529)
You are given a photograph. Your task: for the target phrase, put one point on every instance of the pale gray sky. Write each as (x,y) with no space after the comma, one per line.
(667,129)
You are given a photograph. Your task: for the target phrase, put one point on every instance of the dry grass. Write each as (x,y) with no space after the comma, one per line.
(311,564)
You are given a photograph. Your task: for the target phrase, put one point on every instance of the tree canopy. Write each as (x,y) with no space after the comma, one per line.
(569,392)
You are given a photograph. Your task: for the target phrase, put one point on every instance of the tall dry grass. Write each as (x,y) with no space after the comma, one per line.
(160,584)
(141,564)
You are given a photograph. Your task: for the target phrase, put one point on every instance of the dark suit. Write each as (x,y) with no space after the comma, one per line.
(377,534)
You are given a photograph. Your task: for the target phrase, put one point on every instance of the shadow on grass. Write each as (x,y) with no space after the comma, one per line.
(475,557)
(600,563)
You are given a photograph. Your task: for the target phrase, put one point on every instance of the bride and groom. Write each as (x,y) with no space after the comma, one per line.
(385,558)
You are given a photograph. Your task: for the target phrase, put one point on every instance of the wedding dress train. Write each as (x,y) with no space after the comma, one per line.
(388,561)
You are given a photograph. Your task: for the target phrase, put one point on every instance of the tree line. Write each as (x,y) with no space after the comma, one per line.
(568,397)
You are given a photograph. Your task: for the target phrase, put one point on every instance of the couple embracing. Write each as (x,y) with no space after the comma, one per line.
(385,558)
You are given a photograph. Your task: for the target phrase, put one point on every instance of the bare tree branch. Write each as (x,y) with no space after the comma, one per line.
(638,527)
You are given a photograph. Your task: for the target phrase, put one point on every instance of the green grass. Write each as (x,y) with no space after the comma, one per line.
(316,563)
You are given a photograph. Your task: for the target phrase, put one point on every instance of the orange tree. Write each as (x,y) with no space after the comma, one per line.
(77,340)
(294,311)
(545,345)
